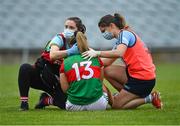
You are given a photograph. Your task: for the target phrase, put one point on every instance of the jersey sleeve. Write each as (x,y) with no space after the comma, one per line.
(57,40)
(127,38)
(61,70)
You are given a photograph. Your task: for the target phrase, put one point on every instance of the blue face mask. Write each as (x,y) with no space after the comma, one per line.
(68,33)
(107,35)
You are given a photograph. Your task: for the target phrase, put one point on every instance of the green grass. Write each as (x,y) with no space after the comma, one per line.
(168,83)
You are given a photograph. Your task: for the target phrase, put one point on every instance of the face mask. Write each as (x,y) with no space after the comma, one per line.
(68,33)
(107,35)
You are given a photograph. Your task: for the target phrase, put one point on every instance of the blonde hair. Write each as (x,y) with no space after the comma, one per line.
(82,42)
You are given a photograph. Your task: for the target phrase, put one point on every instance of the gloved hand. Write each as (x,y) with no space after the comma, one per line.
(73,50)
(90,54)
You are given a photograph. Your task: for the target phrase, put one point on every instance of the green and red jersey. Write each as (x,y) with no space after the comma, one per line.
(83,77)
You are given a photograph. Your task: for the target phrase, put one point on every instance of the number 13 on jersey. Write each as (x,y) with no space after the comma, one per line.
(87,68)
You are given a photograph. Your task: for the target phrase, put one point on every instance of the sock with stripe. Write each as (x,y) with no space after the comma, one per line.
(24,99)
(48,101)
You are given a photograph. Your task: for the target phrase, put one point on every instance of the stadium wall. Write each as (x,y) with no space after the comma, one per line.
(19,56)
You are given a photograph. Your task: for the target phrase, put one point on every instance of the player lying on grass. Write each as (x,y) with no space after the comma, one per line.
(82,80)
(140,69)
(44,74)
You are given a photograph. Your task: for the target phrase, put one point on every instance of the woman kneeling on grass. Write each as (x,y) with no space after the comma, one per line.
(139,65)
(82,81)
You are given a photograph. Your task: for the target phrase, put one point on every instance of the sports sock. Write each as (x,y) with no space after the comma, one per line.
(24,99)
(24,79)
(48,101)
(148,99)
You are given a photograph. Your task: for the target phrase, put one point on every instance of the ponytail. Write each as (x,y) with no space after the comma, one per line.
(119,21)
(82,42)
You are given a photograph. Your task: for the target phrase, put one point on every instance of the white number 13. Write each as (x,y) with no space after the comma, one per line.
(87,65)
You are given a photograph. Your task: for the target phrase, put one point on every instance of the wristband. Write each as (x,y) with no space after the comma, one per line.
(98,53)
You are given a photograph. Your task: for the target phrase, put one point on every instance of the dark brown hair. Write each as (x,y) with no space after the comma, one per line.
(117,19)
(80,26)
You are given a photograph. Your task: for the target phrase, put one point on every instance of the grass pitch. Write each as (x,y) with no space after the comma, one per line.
(168,83)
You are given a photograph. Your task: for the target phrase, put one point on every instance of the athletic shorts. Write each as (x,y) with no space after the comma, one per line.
(100,104)
(141,88)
